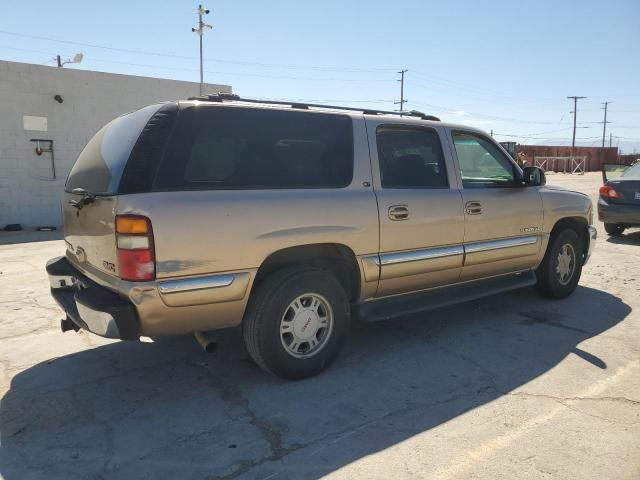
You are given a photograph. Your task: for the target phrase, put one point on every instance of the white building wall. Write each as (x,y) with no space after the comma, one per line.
(28,194)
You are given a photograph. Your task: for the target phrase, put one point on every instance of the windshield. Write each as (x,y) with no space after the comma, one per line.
(100,165)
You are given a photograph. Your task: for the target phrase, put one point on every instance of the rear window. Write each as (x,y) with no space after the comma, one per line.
(99,167)
(632,172)
(233,148)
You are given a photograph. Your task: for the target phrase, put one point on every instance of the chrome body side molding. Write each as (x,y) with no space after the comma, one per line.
(417,255)
(197,283)
(499,244)
(451,257)
(221,288)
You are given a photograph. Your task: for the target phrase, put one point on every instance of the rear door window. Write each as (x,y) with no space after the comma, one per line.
(99,167)
(410,158)
(232,148)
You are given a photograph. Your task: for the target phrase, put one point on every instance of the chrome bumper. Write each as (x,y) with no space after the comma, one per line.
(592,235)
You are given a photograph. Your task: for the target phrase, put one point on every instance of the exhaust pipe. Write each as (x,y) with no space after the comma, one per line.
(67,324)
(208,344)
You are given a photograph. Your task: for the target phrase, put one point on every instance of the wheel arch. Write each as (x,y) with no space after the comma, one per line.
(576,223)
(337,258)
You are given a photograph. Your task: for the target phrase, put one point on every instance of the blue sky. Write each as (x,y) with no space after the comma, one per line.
(501,65)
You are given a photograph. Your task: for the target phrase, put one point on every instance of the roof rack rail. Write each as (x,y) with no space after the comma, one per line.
(219,97)
(216,97)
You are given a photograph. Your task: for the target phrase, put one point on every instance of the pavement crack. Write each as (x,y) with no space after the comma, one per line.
(479,366)
(551,319)
(567,403)
(334,437)
(571,399)
(23,334)
(18,432)
(229,392)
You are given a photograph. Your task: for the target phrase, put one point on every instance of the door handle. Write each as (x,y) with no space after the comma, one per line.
(398,212)
(473,208)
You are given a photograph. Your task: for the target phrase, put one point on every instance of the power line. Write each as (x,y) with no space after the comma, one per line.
(475,96)
(421,77)
(627,138)
(460,85)
(218,72)
(188,57)
(532,135)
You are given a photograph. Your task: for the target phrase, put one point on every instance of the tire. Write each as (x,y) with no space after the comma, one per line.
(561,267)
(274,322)
(614,229)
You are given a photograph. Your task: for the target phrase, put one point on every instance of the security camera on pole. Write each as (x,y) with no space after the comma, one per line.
(200,31)
(77,58)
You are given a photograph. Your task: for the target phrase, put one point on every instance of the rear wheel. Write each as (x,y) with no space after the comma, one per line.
(614,228)
(296,322)
(560,270)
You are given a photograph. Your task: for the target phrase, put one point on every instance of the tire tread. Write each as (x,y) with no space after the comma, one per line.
(544,283)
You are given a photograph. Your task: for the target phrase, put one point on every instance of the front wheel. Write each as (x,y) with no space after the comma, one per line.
(296,322)
(614,228)
(561,267)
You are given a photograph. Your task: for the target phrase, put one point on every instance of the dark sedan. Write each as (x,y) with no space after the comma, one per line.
(619,202)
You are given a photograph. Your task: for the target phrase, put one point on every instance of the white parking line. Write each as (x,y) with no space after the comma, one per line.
(460,467)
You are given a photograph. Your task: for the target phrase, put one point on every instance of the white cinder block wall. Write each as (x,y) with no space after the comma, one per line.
(28,194)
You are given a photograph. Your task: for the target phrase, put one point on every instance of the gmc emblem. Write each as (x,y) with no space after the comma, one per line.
(108,266)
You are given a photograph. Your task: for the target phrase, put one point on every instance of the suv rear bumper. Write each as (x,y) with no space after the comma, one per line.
(91,306)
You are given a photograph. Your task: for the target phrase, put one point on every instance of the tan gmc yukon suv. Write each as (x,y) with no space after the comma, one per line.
(290,219)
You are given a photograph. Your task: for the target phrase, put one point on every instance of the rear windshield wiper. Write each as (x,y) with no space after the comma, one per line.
(87,198)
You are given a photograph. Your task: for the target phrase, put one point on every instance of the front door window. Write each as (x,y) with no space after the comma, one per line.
(482,164)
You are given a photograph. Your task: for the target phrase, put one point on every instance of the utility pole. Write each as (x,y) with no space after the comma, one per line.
(59,60)
(610,139)
(402,100)
(604,123)
(575,114)
(200,31)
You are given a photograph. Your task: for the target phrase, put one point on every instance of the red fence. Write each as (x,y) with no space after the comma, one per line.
(595,156)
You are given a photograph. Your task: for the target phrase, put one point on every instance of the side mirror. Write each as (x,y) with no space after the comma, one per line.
(533,176)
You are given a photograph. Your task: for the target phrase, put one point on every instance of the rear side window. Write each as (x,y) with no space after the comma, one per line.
(233,148)
(410,158)
(99,167)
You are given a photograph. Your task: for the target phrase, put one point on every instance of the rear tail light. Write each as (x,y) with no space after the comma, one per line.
(608,191)
(134,239)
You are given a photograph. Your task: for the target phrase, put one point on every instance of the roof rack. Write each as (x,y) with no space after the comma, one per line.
(220,97)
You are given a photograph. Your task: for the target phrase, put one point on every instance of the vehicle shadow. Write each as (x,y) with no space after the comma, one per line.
(29,235)
(168,410)
(629,238)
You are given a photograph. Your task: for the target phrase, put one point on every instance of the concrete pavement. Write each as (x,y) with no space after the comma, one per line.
(512,386)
